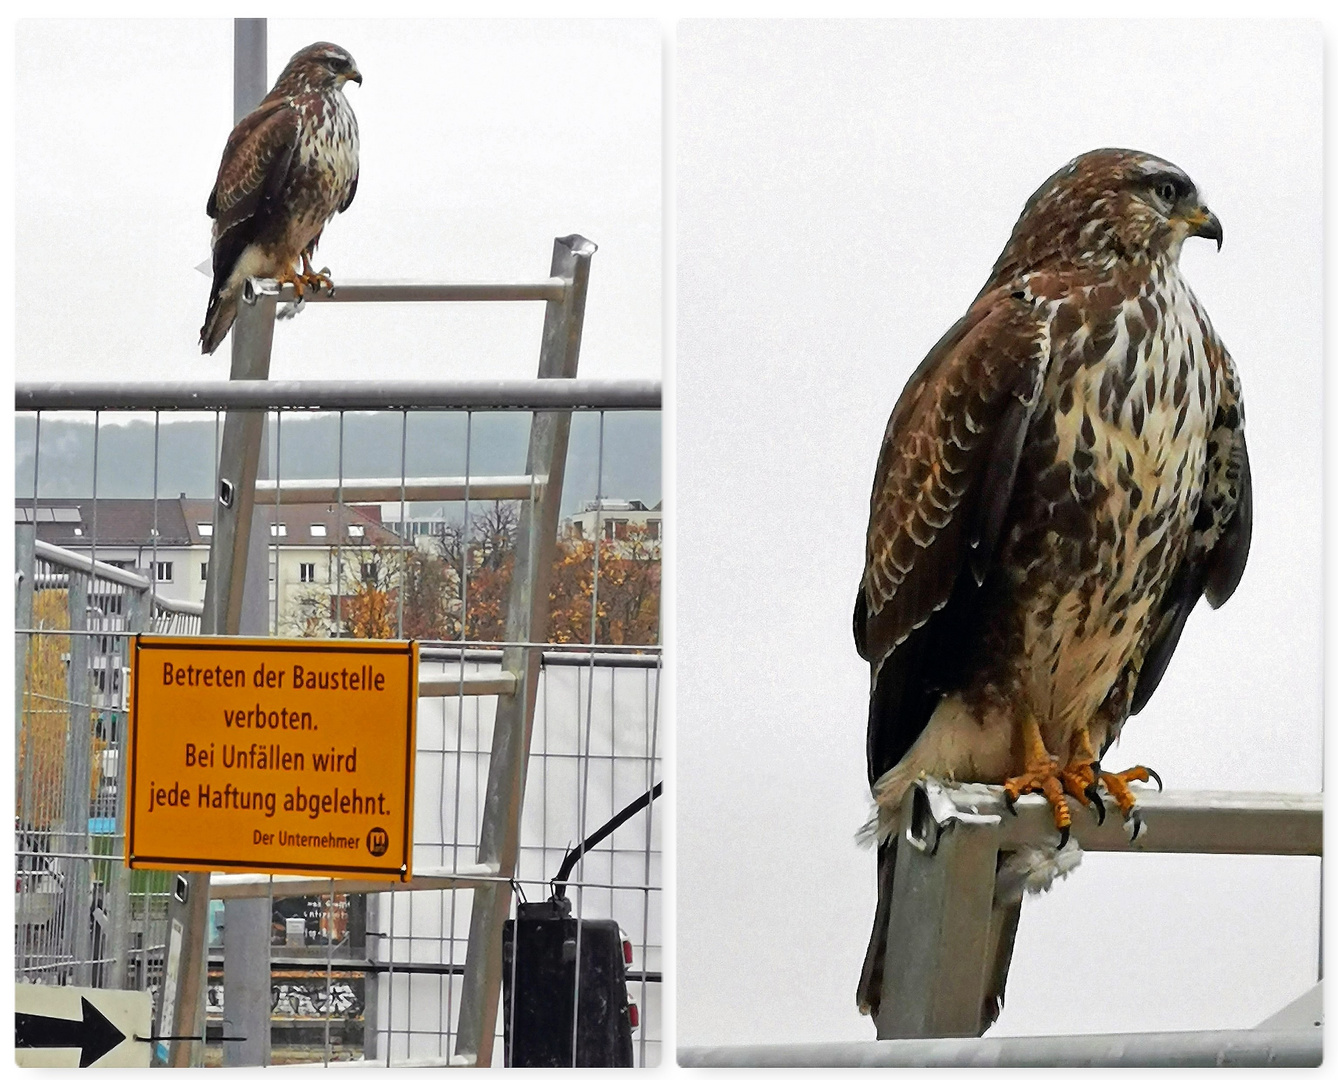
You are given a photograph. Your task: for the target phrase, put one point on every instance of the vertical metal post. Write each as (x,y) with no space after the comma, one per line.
(939,926)
(138,613)
(224,600)
(527,620)
(25,539)
(78,780)
(246,981)
(233,566)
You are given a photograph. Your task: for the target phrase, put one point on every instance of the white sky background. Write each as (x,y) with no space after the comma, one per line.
(842,191)
(481,141)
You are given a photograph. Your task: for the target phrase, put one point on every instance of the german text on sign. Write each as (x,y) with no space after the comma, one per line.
(281,756)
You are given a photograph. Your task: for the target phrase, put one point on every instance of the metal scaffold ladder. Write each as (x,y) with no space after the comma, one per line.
(237,574)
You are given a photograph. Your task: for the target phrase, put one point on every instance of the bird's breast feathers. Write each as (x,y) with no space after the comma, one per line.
(1115,475)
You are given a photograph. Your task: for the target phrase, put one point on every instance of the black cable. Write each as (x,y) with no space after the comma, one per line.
(574,856)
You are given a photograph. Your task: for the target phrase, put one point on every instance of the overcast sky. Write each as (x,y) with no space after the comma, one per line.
(844,189)
(482,140)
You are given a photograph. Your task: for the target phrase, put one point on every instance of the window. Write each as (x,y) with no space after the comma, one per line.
(615,529)
(162,571)
(204,570)
(356,531)
(368,571)
(317,530)
(308,570)
(278,529)
(653,528)
(206,528)
(578,529)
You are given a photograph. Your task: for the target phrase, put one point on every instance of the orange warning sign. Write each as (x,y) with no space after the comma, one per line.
(271,755)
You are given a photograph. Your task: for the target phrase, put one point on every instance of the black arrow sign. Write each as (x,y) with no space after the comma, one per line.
(94,1035)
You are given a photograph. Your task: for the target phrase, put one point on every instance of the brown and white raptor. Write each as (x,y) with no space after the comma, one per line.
(1062,478)
(289,166)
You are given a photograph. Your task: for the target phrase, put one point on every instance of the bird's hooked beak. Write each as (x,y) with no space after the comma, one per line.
(1203,222)
(354,76)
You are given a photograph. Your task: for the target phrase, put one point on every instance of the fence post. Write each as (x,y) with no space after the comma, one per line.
(527,620)
(938,929)
(224,597)
(78,780)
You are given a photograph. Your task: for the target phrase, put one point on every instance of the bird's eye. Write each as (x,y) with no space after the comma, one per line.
(1166,192)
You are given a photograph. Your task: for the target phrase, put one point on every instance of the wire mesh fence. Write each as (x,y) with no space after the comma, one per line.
(399,523)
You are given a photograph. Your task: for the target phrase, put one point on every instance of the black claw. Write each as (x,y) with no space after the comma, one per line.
(1008,802)
(1063,838)
(1138,824)
(1098,803)
(1154,776)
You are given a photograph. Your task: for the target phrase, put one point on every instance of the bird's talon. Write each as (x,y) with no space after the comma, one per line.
(1063,838)
(1098,804)
(1152,773)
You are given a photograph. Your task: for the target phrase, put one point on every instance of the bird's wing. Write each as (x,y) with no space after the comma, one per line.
(940,497)
(1219,543)
(352,190)
(255,165)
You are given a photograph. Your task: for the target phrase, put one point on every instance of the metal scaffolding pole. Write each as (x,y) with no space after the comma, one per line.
(527,619)
(526,395)
(1151,1049)
(236,568)
(945,917)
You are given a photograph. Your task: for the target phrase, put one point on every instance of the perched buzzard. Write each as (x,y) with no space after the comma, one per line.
(1062,478)
(288,167)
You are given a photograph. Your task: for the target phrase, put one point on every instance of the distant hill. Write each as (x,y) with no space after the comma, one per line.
(309,447)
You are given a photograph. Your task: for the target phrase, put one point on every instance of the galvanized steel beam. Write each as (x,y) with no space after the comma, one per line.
(231,553)
(527,618)
(520,394)
(1185,822)
(425,879)
(390,489)
(938,929)
(410,292)
(1147,1049)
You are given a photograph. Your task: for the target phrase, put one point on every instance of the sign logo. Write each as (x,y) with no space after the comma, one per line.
(272,755)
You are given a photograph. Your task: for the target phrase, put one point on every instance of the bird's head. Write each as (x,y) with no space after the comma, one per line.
(1106,207)
(321,67)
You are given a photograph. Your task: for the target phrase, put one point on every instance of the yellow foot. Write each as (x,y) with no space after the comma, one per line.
(1118,786)
(297,281)
(1042,778)
(1041,773)
(318,279)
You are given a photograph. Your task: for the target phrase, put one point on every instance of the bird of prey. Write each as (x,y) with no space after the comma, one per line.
(1062,478)
(288,167)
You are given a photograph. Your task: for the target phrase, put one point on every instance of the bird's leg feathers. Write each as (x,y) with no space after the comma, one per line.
(1040,773)
(1079,775)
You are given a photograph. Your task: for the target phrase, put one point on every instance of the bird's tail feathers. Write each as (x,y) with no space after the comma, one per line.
(218,319)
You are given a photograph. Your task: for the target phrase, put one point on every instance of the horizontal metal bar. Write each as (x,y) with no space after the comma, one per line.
(383,292)
(390,489)
(1203,822)
(366,395)
(384,967)
(554,659)
(553,652)
(72,560)
(247,886)
(1149,1049)
(446,684)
